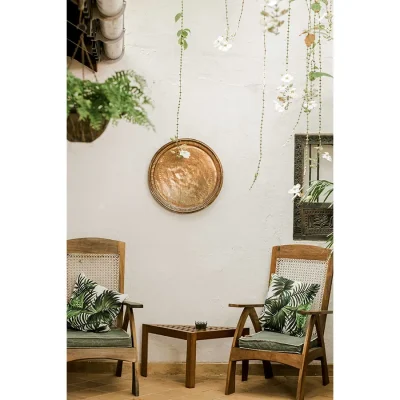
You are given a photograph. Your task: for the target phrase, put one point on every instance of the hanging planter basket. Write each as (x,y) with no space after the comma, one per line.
(81,131)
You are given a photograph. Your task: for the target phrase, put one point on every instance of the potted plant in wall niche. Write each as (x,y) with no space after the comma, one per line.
(92,105)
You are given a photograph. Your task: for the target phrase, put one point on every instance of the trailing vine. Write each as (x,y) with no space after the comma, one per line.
(224,43)
(262,108)
(271,20)
(287,90)
(182,34)
(316,29)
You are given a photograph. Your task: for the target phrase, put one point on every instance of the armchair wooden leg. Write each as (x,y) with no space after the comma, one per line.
(324,364)
(145,351)
(230,379)
(268,373)
(301,382)
(325,373)
(304,364)
(245,370)
(135,372)
(119,368)
(135,380)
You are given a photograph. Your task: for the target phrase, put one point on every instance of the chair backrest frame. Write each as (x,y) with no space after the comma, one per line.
(100,246)
(307,252)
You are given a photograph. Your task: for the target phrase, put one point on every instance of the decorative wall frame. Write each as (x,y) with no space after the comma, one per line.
(311,221)
(185,185)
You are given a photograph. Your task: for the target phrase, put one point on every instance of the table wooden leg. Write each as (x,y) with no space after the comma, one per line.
(145,350)
(191,361)
(245,370)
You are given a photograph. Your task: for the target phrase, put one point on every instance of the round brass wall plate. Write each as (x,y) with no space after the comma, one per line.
(185,185)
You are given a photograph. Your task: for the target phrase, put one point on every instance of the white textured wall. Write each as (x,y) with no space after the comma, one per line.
(189,267)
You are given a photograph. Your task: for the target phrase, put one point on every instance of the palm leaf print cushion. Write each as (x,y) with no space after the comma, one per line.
(285,297)
(92,308)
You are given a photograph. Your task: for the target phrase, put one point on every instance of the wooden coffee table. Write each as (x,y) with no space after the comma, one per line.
(191,335)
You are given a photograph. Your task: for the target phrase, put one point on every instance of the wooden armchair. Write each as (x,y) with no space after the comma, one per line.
(103,261)
(309,264)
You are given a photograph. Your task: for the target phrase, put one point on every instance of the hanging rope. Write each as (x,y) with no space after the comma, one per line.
(81,45)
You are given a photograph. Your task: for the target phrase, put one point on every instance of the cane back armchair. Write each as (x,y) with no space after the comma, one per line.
(308,264)
(103,261)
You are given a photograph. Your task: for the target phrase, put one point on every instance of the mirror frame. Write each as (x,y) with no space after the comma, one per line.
(311,221)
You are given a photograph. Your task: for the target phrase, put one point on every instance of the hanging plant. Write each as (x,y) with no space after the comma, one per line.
(92,105)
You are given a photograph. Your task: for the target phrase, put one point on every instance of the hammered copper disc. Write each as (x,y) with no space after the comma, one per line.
(185,185)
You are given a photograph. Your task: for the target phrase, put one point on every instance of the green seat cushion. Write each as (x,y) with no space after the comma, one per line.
(273,341)
(116,337)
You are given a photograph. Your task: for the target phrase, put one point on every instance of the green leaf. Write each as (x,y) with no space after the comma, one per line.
(185,45)
(313,75)
(316,189)
(281,285)
(179,32)
(121,96)
(319,27)
(329,241)
(325,1)
(187,30)
(184,34)
(178,17)
(316,7)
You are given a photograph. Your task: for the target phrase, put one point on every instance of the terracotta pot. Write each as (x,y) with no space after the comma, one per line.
(81,131)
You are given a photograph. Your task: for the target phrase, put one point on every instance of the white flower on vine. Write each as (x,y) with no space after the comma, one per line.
(271,3)
(292,92)
(280,107)
(184,153)
(327,156)
(319,148)
(222,44)
(322,17)
(308,106)
(296,191)
(281,89)
(287,78)
(220,39)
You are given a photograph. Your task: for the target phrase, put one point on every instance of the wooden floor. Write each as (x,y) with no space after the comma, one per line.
(103,386)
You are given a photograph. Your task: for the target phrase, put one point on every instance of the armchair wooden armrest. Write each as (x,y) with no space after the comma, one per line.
(249,311)
(316,319)
(322,312)
(132,304)
(129,319)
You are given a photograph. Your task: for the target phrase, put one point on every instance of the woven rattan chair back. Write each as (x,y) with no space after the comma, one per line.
(102,260)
